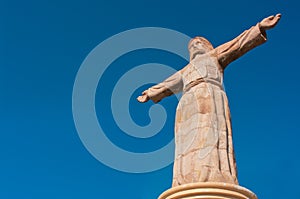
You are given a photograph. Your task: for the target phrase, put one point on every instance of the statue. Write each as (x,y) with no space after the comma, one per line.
(203,134)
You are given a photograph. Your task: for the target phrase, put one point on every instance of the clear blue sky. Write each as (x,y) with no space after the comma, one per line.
(42,45)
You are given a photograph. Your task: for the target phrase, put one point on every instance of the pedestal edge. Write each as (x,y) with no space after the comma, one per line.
(202,189)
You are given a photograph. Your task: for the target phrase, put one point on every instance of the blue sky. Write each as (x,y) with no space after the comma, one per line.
(42,46)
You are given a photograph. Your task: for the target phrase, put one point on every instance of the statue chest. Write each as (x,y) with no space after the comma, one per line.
(204,67)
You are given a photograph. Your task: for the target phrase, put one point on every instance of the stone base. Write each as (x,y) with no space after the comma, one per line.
(208,190)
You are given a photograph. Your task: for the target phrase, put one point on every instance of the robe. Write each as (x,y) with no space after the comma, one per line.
(203,133)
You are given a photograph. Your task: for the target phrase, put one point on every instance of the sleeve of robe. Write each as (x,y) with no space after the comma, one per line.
(237,47)
(171,85)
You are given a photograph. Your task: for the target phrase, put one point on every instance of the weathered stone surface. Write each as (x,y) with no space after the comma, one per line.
(203,133)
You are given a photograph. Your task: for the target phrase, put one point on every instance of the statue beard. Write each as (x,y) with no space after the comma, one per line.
(198,52)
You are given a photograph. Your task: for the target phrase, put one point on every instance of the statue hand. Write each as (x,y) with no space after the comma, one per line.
(269,22)
(143,98)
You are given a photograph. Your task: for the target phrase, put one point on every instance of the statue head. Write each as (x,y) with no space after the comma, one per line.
(199,45)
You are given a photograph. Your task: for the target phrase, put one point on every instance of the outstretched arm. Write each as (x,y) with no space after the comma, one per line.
(248,40)
(166,88)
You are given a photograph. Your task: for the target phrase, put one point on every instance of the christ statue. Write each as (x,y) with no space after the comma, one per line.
(203,133)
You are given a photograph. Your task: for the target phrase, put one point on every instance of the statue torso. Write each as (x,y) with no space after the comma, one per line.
(203,68)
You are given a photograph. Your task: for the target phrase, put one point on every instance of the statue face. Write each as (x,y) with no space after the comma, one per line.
(199,45)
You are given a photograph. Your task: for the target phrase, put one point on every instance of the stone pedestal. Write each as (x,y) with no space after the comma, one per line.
(208,190)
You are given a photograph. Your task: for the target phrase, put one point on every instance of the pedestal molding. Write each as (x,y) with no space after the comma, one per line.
(208,190)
